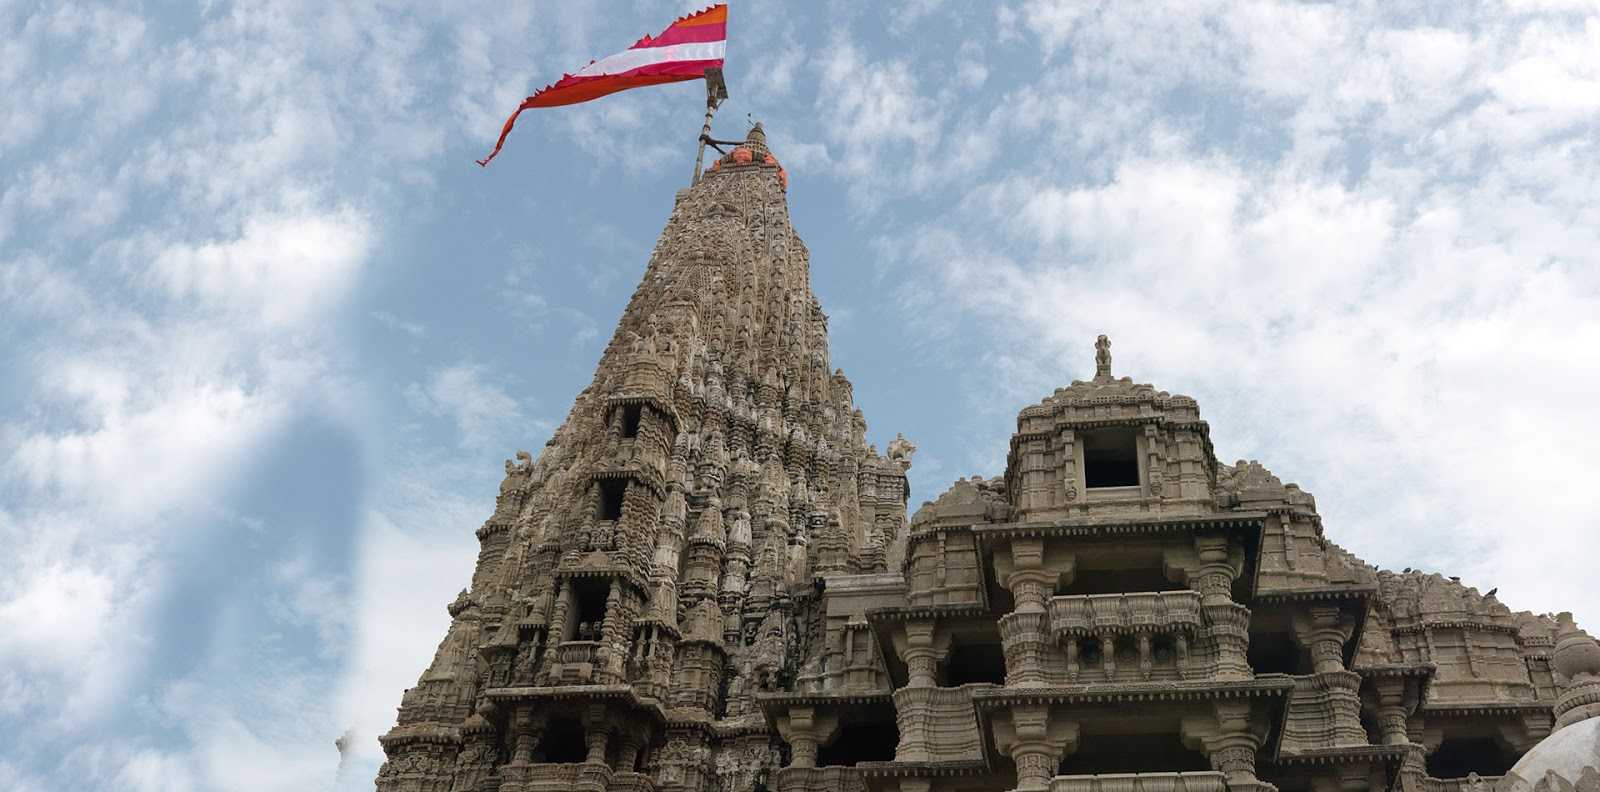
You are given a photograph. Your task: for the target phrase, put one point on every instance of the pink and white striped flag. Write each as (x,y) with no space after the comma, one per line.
(682,52)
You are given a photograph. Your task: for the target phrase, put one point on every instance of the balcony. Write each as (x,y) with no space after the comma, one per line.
(1128,637)
(1117,614)
(821,779)
(575,663)
(631,782)
(1468,784)
(551,777)
(1140,782)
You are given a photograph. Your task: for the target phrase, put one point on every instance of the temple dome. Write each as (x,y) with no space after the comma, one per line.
(1571,755)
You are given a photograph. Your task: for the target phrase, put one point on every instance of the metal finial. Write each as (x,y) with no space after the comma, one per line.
(1102,358)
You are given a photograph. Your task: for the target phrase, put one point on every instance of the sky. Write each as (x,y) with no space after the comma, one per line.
(267,333)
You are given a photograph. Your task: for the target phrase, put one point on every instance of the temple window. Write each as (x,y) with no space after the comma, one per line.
(1110,458)
(611,491)
(863,741)
(1277,653)
(630,420)
(975,662)
(1461,756)
(1092,653)
(561,743)
(589,609)
(1132,753)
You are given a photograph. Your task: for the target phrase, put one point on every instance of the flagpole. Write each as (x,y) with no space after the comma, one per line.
(716,91)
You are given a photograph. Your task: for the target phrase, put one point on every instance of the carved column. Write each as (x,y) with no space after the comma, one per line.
(595,775)
(1391,709)
(627,752)
(1322,631)
(1232,748)
(1034,742)
(1228,621)
(1036,758)
(597,739)
(527,730)
(921,655)
(609,655)
(802,736)
(558,628)
(1023,631)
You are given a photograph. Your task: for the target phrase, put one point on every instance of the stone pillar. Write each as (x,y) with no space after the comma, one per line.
(1228,621)
(1032,748)
(1323,632)
(1214,577)
(1390,709)
(921,654)
(805,731)
(558,615)
(595,775)
(1413,769)
(598,739)
(627,752)
(1232,748)
(1023,631)
(1023,639)
(527,730)
(1319,632)
(610,654)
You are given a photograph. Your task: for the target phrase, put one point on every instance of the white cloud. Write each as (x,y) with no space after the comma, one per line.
(280,268)
(416,330)
(482,411)
(1400,341)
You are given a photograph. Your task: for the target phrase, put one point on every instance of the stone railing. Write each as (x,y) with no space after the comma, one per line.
(1113,614)
(575,663)
(631,782)
(1128,637)
(1140,782)
(579,777)
(820,779)
(1468,784)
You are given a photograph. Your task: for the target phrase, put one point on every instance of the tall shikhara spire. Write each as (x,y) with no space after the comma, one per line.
(655,567)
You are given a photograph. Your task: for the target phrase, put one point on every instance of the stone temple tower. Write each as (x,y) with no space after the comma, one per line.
(706,582)
(656,568)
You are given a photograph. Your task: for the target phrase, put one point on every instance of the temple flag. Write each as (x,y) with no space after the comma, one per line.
(683,51)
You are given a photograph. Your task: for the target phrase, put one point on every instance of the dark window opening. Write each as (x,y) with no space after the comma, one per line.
(561,743)
(611,491)
(1126,648)
(1369,723)
(630,420)
(1000,599)
(589,610)
(1090,653)
(860,742)
(1459,757)
(978,662)
(1164,652)
(1118,581)
(1132,753)
(1110,458)
(1277,653)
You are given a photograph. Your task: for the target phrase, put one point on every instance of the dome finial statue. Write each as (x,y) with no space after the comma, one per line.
(1568,759)
(1102,358)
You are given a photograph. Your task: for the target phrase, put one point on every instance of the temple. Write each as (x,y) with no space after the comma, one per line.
(707,581)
